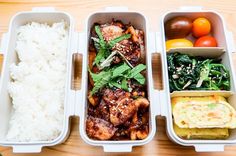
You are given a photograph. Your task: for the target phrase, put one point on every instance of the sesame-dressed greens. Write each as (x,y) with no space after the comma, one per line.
(196,73)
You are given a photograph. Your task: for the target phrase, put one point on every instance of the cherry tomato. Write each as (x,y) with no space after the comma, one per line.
(178,43)
(178,27)
(201,27)
(206,41)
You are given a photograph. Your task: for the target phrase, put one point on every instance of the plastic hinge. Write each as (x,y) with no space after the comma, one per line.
(191,8)
(152,42)
(80,48)
(163,102)
(43,9)
(27,148)
(230,41)
(154,95)
(116,9)
(209,148)
(3,46)
(71,102)
(158,42)
(71,93)
(117,148)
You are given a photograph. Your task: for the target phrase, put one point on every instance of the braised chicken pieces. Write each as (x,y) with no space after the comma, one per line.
(99,128)
(118,108)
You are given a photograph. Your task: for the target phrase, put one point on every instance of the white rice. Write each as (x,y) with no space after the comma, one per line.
(38,82)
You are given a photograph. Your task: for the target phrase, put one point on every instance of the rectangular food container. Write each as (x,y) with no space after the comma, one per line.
(75,103)
(224,51)
(140,22)
(43,15)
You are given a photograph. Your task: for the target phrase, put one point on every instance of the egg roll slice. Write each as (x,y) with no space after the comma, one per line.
(201,133)
(203,112)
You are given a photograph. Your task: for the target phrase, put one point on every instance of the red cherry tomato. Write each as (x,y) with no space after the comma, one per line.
(206,41)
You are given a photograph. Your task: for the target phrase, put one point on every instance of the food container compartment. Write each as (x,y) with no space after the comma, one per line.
(224,51)
(140,22)
(42,15)
(217,24)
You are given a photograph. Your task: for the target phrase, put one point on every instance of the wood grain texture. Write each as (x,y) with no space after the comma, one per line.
(153,9)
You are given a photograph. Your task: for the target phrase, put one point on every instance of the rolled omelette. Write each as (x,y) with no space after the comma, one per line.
(203,112)
(201,133)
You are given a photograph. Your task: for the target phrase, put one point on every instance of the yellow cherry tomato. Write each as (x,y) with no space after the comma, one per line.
(178,43)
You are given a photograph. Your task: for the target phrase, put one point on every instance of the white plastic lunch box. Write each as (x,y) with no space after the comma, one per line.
(48,15)
(224,52)
(140,22)
(76,100)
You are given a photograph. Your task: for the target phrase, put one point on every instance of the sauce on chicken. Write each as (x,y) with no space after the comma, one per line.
(118,107)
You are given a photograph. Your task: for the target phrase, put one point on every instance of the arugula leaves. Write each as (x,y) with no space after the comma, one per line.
(97,77)
(101,39)
(117,76)
(103,47)
(101,83)
(140,78)
(124,84)
(119,70)
(136,70)
(113,42)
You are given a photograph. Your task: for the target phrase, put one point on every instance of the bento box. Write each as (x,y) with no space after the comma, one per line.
(223,51)
(75,102)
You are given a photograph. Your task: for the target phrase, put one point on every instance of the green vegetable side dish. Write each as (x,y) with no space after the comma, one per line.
(113,75)
(196,73)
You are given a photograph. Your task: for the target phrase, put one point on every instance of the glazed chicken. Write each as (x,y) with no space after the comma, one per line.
(119,109)
(99,128)
(131,49)
(110,32)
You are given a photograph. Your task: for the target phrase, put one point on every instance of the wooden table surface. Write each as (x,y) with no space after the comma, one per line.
(153,9)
